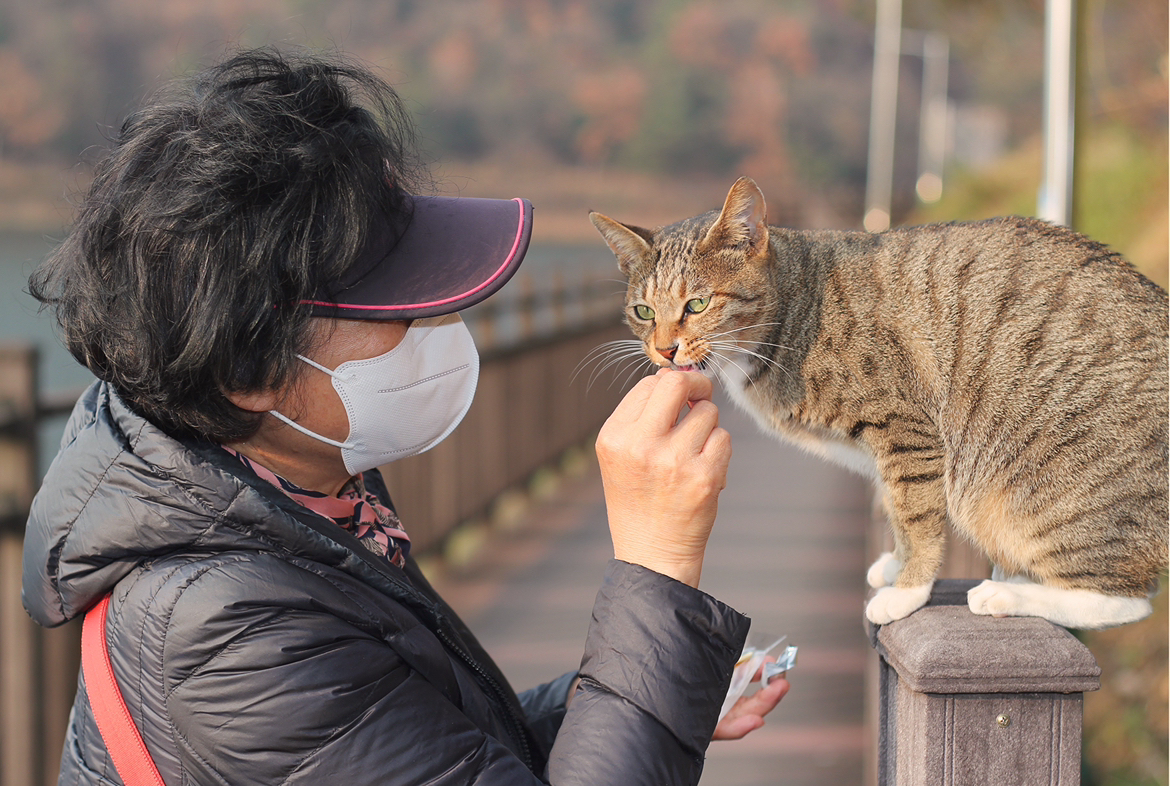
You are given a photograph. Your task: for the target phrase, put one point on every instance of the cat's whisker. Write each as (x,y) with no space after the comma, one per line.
(746,327)
(741,348)
(728,346)
(605,355)
(634,362)
(602,351)
(608,355)
(738,346)
(630,362)
(723,333)
(633,371)
(777,346)
(724,362)
(609,346)
(615,365)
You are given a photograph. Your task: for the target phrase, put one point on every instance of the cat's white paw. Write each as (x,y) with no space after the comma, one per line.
(884,571)
(894,603)
(1072,608)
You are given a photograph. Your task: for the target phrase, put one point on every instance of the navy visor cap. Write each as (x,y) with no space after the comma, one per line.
(453,253)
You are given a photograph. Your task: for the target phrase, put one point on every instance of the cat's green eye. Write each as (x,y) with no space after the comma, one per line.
(695,305)
(644,312)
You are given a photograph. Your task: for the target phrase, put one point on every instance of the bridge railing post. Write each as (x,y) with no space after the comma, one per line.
(968,699)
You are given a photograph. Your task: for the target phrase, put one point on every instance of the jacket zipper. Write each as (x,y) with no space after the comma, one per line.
(513,722)
(515,725)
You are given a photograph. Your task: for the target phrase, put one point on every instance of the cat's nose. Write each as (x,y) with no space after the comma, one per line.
(668,353)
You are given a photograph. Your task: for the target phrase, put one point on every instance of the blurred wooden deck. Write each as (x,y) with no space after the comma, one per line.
(789,550)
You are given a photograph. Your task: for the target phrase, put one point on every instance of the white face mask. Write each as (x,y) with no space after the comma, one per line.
(405,401)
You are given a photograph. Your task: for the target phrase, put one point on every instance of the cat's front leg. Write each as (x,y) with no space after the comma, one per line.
(910,461)
(884,571)
(892,602)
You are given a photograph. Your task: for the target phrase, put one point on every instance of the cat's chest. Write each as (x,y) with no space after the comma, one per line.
(778,420)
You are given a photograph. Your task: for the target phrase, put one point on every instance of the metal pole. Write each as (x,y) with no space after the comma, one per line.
(887,47)
(932,128)
(1056,193)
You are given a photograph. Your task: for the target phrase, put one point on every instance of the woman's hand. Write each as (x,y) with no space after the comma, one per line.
(747,714)
(662,476)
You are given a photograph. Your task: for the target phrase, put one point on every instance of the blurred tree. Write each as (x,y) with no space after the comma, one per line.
(670,87)
(27,120)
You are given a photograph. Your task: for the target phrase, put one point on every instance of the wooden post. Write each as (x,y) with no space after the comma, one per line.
(60,664)
(20,722)
(527,287)
(560,298)
(483,326)
(967,699)
(18,416)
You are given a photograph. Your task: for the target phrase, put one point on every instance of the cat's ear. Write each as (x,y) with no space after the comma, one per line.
(743,221)
(631,245)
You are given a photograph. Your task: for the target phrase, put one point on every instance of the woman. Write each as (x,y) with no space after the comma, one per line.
(271,315)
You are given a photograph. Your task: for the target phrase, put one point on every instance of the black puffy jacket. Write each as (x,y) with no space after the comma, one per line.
(258,643)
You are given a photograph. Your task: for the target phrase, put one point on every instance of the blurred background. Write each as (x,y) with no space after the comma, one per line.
(647,110)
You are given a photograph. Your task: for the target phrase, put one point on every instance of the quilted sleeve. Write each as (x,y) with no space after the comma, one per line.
(658,660)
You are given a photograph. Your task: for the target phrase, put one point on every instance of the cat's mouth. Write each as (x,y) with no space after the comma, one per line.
(700,367)
(668,361)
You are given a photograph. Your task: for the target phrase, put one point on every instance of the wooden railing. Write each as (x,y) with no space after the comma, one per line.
(533,403)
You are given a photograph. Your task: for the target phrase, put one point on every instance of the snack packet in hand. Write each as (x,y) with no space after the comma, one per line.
(783,663)
(747,666)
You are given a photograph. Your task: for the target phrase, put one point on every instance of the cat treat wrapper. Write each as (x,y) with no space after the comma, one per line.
(749,663)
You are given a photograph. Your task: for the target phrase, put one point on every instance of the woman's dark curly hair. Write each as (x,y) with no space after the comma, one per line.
(224,202)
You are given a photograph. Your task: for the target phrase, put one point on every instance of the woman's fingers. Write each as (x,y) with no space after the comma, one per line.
(674,389)
(662,474)
(697,424)
(748,713)
(737,727)
(630,408)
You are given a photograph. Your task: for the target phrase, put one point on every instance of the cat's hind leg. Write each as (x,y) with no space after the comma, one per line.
(1072,608)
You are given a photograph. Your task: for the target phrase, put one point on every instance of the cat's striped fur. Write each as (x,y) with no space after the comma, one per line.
(1006,376)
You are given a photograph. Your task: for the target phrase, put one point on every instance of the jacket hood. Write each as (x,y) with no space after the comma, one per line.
(122,492)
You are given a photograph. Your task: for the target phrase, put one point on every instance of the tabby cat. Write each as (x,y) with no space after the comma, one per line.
(1008,376)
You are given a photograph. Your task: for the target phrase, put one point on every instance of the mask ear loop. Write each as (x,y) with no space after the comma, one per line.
(318,366)
(308,432)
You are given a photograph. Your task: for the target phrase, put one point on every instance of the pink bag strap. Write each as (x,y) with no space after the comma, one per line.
(131,758)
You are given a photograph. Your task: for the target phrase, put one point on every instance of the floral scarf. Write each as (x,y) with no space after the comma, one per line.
(354,509)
